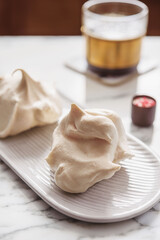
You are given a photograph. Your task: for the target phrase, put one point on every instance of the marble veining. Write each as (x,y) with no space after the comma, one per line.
(23,215)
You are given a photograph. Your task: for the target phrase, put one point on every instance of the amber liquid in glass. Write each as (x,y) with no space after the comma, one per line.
(112,56)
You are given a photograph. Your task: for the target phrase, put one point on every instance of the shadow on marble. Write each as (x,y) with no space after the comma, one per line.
(145,134)
(96,90)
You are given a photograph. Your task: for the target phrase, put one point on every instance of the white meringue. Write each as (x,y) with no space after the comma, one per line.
(25,103)
(87,147)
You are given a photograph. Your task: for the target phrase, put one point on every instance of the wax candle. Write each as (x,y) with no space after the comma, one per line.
(143,110)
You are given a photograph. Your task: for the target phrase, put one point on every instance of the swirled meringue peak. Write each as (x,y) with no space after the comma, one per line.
(87,148)
(25,103)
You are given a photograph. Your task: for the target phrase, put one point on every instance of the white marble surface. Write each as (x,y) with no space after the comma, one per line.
(23,215)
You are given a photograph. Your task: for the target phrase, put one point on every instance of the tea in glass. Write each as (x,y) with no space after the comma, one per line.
(114,30)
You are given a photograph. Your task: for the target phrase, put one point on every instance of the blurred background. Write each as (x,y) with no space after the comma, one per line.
(55,17)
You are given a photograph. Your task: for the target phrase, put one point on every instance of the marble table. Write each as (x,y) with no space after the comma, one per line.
(23,215)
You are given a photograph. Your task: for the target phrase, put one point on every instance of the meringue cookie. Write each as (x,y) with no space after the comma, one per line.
(25,103)
(87,147)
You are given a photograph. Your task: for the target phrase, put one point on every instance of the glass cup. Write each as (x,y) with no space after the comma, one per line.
(113,30)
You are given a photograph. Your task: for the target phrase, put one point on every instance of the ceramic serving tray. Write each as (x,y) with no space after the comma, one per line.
(130,192)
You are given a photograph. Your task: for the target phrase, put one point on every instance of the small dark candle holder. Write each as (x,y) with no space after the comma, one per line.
(143,110)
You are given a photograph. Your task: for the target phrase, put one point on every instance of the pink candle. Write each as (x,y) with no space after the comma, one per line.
(143,110)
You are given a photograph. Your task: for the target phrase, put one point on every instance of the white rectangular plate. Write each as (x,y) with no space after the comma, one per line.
(130,192)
